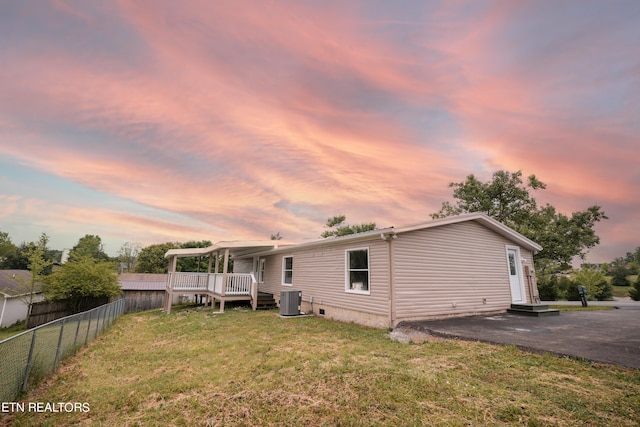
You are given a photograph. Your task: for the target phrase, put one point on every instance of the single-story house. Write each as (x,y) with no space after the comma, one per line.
(460,265)
(15,295)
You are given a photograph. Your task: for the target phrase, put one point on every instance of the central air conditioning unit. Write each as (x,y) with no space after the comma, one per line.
(290,302)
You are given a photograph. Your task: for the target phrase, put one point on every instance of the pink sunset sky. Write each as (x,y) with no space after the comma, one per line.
(155,121)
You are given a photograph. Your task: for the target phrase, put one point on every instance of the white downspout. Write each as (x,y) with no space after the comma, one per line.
(4,305)
(392,303)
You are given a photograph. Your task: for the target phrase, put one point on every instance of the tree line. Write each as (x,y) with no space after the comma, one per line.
(88,272)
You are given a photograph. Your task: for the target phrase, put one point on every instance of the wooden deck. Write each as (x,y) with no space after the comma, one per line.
(219,287)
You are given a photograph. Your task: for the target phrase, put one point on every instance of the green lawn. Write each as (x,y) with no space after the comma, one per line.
(253,368)
(12,330)
(621,291)
(581,308)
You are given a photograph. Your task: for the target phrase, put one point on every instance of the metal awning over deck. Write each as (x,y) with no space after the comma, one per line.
(235,248)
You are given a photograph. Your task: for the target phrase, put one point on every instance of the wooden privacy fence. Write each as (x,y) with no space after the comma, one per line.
(45,312)
(143,300)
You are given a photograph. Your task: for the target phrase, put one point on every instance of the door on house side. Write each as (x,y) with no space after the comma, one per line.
(515,276)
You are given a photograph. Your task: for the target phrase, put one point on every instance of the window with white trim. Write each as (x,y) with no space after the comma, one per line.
(287,271)
(261,269)
(357,270)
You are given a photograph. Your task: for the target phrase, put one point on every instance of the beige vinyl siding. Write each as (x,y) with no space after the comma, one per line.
(454,269)
(320,274)
(243,265)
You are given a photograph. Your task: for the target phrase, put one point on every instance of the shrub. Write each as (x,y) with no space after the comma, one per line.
(594,280)
(634,292)
(567,289)
(619,276)
(82,278)
(548,288)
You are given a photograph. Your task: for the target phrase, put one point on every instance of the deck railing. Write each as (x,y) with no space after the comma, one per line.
(188,281)
(237,283)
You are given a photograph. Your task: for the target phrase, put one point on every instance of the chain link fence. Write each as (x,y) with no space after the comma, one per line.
(27,358)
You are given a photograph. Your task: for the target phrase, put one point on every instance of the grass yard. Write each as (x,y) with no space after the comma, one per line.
(620,291)
(581,308)
(12,330)
(253,368)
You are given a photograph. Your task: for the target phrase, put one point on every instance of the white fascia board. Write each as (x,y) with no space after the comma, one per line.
(9,296)
(242,247)
(186,252)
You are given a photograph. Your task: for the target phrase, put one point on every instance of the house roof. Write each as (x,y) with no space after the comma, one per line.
(14,283)
(247,248)
(142,281)
(481,218)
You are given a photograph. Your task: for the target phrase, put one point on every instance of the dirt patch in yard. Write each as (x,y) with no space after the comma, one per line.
(408,335)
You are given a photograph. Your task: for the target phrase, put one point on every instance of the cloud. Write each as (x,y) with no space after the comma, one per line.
(249,120)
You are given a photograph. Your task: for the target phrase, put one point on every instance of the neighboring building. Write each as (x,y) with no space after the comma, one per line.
(461,265)
(14,296)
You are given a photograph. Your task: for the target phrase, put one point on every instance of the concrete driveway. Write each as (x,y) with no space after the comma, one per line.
(608,336)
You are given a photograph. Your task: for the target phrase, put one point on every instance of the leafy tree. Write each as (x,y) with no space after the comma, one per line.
(18,259)
(90,246)
(38,263)
(7,248)
(81,278)
(341,229)
(548,288)
(594,280)
(151,258)
(507,199)
(276,236)
(14,257)
(503,198)
(631,260)
(193,263)
(634,292)
(619,273)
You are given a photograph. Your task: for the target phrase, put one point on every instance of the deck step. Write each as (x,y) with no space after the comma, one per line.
(265,301)
(537,310)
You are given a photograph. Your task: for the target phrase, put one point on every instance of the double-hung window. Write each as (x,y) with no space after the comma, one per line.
(357,270)
(287,271)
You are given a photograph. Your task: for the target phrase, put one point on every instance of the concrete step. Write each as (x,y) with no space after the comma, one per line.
(530,307)
(537,310)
